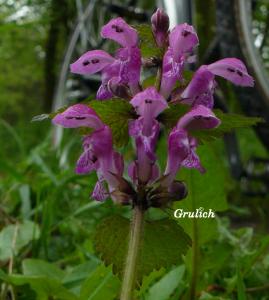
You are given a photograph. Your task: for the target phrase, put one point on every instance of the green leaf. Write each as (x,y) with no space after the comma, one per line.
(164,243)
(229,122)
(73,279)
(149,81)
(100,285)
(38,267)
(241,290)
(115,113)
(44,278)
(148,281)
(206,190)
(148,44)
(172,114)
(3,276)
(43,117)
(14,237)
(162,289)
(44,287)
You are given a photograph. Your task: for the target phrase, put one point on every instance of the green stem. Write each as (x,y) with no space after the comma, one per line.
(159,79)
(195,246)
(136,232)
(195,253)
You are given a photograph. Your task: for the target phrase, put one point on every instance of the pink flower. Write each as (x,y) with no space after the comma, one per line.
(98,154)
(202,86)
(126,64)
(181,146)
(148,104)
(145,130)
(182,40)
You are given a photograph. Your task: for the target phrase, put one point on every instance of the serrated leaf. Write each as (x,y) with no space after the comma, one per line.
(229,122)
(164,243)
(43,117)
(148,44)
(115,113)
(40,118)
(100,285)
(172,114)
(163,288)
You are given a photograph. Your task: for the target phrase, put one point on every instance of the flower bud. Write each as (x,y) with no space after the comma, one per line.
(124,194)
(121,198)
(178,190)
(118,89)
(160,26)
(159,195)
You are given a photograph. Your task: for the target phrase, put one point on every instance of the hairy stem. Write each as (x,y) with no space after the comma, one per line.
(136,232)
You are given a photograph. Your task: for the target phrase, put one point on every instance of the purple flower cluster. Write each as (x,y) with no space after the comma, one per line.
(121,74)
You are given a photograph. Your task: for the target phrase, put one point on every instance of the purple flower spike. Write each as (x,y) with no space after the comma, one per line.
(182,40)
(233,70)
(148,104)
(78,115)
(119,31)
(200,117)
(92,62)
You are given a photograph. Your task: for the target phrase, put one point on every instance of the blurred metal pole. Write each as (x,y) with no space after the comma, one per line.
(179,11)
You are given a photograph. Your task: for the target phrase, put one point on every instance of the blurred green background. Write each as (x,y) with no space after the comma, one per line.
(47,219)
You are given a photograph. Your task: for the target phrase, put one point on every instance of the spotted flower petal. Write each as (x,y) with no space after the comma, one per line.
(145,146)
(130,65)
(119,31)
(100,193)
(199,117)
(92,62)
(172,71)
(86,163)
(233,70)
(78,115)
(192,160)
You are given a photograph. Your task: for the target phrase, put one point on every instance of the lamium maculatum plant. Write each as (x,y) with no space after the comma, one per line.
(131,108)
